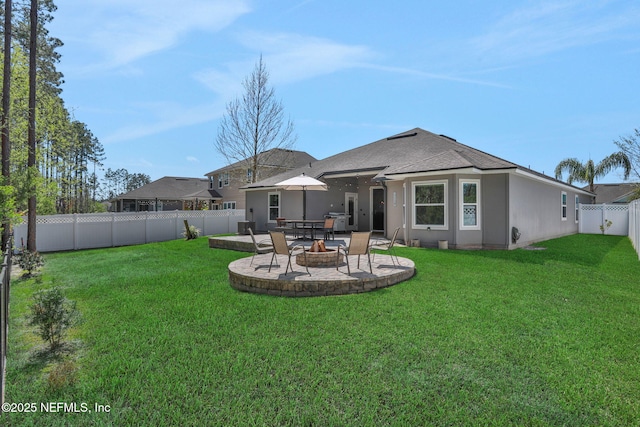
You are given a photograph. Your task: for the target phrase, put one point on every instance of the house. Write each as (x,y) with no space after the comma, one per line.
(167,194)
(432,187)
(228,180)
(614,193)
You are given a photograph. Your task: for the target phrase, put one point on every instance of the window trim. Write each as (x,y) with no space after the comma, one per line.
(269,207)
(577,208)
(226,205)
(445,184)
(563,205)
(462,204)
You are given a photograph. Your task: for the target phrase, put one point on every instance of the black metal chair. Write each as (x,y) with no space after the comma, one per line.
(388,246)
(328,228)
(280,247)
(261,247)
(358,245)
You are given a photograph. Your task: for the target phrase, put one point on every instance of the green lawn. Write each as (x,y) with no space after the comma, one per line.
(475,338)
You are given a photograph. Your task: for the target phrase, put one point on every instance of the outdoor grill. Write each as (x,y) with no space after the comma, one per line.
(340,223)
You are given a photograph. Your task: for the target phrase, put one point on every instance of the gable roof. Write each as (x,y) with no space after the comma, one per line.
(274,158)
(614,193)
(413,152)
(173,188)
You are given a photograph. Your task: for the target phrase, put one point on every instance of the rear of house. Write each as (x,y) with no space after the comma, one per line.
(433,188)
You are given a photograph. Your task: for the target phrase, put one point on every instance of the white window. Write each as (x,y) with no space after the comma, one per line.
(223,180)
(470,204)
(577,208)
(274,206)
(430,205)
(211,182)
(228,205)
(564,206)
(249,175)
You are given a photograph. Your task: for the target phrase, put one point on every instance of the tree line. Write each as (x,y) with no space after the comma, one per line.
(50,160)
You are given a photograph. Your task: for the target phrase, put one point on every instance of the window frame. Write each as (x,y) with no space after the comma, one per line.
(563,205)
(577,208)
(269,207)
(445,204)
(228,205)
(462,204)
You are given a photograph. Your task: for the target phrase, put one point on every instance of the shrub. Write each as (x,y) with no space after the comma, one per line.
(53,314)
(193,232)
(29,261)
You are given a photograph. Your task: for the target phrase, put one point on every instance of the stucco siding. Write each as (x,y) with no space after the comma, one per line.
(535,209)
(495,223)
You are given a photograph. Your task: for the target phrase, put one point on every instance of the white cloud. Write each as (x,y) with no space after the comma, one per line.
(124,30)
(295,57)
(289,58)
(192,159)
(549,27)
(163,117)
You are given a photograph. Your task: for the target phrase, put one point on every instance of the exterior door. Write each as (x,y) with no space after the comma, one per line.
(351,209)
(377,209)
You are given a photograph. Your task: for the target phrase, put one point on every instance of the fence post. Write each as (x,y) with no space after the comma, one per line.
(113,229)
(75,232)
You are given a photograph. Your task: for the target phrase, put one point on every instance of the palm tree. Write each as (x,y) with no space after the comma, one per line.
(589,171)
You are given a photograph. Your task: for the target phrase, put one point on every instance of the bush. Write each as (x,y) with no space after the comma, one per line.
(53,314)
(193,232)
(29,261)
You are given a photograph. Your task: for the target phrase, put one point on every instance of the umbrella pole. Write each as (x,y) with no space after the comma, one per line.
(304,205)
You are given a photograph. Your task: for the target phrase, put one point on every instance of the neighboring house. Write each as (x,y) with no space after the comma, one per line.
(167,194)
(228,180)
(614,193)
(431,186)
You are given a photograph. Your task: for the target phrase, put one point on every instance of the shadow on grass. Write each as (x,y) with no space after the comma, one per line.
(579,249)
(42,356)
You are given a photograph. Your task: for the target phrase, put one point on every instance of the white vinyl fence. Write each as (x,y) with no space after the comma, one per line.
(634,224)
(592,217)
(85,231)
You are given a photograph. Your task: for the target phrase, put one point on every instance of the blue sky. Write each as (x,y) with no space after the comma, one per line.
(532,82)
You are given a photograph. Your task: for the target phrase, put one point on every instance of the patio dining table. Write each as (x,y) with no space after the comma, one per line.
(305,225)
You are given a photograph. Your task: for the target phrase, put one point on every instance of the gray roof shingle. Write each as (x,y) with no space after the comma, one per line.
(173,188)
(413,151)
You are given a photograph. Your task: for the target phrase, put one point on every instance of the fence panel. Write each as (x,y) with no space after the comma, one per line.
(634,225)
(128,228)
(84,231)
(594,216)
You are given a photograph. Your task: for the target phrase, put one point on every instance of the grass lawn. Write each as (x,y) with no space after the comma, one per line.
(519,337)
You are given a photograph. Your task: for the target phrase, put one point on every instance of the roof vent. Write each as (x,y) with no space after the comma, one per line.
(406,135)
(448,137)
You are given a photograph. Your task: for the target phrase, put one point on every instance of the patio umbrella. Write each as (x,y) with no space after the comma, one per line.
(304,183)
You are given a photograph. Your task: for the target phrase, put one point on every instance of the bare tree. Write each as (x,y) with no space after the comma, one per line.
(254,125)
(630,145)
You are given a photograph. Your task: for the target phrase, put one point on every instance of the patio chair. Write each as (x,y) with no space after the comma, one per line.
(328,229)
(280,247)
(359,245)
(281,225)
(261,247)
(388,246)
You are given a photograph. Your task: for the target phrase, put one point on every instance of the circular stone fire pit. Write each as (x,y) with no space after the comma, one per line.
(320,259)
